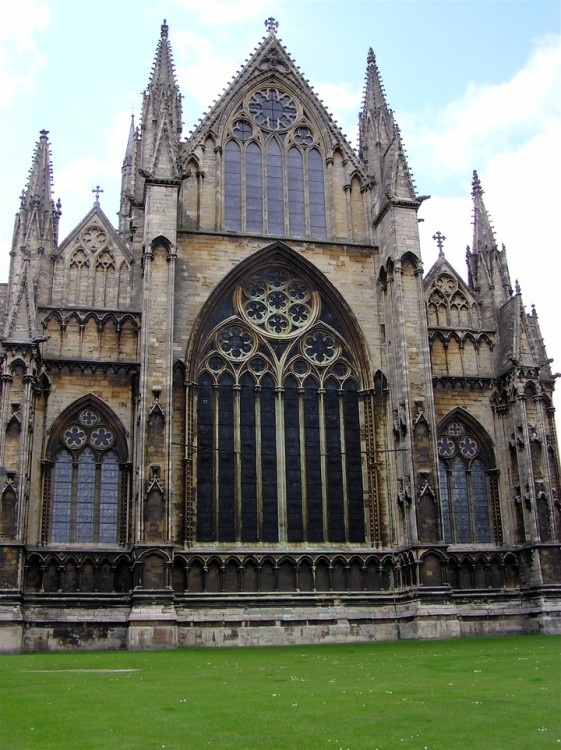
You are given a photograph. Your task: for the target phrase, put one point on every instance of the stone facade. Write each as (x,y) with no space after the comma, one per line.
(246,416)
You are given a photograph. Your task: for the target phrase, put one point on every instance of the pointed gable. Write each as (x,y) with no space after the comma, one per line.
(272,151)
(450,303)
(271,66)
(93,265)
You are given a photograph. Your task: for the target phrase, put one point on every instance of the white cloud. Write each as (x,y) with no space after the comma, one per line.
(20,56)
(343,102)
(511,133)
(490,120)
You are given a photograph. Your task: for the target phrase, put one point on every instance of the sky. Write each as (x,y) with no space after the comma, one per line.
(474,85)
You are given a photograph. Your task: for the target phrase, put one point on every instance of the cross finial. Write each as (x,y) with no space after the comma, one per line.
(271,25)
(439,238)
(97,190)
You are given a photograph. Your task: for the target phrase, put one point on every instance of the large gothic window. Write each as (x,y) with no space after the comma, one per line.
(85,480)
(273,170)
(278,445)
(466,486)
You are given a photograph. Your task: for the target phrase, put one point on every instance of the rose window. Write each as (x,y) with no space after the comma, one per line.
(277,303)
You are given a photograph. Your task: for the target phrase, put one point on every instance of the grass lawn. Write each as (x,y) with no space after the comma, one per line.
(500,693)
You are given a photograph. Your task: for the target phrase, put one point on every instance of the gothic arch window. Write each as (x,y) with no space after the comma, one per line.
(277,454)
(85,478)
(274,180)
(468,488)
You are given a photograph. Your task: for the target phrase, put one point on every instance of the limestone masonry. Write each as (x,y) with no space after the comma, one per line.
(247,416)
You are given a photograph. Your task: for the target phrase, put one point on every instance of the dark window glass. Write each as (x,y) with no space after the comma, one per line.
(293,468)
(353,463)
(232,187)
(296,206)
(313,461)
(444,501)
(480,502)
(461,506)
(86,483)
(275,192)
(205,460)
(269,461)
(250,531)
(226,491)
(254,189)
(318,226)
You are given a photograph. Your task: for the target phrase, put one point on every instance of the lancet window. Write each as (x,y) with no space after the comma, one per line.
(85,482)
(278,445)
(467,486)
(273,170)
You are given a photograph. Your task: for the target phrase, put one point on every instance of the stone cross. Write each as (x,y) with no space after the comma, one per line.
(271,25)
(97,190)
(439,242)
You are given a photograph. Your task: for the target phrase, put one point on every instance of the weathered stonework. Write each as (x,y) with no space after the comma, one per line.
(245,416)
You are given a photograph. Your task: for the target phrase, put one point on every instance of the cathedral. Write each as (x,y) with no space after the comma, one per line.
(247,415)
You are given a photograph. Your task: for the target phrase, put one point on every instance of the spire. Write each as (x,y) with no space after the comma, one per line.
(35,239)
(380,144)
(129,152)
(376,123)
(161,114)
(488,272)
(483,233)
(128,174)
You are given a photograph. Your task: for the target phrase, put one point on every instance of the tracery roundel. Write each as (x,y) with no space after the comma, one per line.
(236,343)
(320,347)
(468,447)
(74,436)
(277,303)
(446,447)
(101,438)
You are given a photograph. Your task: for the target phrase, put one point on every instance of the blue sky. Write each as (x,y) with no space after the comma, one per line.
(475,85)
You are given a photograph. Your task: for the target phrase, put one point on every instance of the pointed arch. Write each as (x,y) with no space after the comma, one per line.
(86,476)
(468,481)
(279,363)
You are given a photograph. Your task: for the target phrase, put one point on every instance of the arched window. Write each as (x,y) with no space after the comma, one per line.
(278,441)
(273,170)
(467,488)
(85,479)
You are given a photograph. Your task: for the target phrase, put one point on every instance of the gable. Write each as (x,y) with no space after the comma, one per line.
(92,266)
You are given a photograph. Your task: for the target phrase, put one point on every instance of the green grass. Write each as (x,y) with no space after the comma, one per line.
(501,693)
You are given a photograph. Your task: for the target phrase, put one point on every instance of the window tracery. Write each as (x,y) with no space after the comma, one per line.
(278,453)
(273,169)
(85,481)
(465,486)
